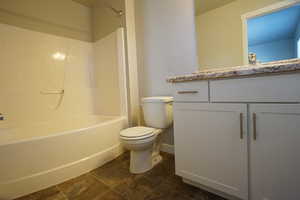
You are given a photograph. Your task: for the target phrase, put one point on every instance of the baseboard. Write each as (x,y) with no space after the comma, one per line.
(45,179)
(167,148)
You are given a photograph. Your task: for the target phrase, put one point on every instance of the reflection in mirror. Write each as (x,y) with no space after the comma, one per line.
(215,34)
(222,39)
(275,36)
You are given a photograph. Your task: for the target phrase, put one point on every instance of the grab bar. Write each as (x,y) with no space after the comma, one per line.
(53,92)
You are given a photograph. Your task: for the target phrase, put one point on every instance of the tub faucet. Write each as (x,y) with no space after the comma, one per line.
(252,59)
(1,117)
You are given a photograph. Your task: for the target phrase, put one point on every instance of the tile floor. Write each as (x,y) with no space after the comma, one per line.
(114,182)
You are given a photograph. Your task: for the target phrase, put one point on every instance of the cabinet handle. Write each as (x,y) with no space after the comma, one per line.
(241,126)
(187,92)
(254,127)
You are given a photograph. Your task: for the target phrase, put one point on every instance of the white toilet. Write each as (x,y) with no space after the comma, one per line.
(144,142)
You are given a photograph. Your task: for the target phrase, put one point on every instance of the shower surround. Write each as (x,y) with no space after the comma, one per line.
(49,138)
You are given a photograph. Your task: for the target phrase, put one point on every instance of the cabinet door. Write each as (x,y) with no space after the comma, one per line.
(275,153)
(211,146)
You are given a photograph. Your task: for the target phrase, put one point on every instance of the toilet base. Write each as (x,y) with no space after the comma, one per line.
(145,158)
(140,161)
(143,161)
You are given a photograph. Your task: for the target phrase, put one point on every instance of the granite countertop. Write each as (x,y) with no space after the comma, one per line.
(285,66)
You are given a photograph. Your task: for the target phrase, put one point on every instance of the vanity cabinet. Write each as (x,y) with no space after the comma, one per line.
(274,152)
(240,145)
(211,145)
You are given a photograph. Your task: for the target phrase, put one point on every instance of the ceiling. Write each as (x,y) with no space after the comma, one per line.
(203,6)
(88,3)
(276,26)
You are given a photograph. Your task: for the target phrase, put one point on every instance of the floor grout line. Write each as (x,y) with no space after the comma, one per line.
(58,188)
(99,180)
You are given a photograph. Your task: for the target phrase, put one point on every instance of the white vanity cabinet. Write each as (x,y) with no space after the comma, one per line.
(239,146)
(274,152)
(211,145)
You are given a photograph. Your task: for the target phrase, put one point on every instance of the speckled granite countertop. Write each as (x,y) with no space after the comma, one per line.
(284,66)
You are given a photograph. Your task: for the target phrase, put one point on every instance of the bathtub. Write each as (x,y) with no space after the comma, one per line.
(40,155)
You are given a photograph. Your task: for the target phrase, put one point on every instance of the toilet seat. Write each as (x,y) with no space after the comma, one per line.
(137,133)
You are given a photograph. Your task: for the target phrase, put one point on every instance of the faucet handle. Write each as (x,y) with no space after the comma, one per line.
(252,58)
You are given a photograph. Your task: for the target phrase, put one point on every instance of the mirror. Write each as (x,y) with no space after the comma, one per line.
(275,36)
(229,30)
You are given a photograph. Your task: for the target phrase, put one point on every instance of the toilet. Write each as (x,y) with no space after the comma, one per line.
(144,142)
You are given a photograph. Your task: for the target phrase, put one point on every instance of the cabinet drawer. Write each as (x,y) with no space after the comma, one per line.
(279,88)
(191,92)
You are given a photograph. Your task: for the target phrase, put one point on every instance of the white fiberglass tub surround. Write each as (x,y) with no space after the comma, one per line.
(42,141)
(44,156)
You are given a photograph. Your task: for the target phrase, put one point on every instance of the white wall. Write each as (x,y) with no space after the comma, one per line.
(275,50)
(166,43)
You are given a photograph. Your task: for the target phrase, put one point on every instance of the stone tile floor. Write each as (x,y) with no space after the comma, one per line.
(114,182)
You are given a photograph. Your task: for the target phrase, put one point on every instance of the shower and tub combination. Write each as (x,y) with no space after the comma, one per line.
(63,104)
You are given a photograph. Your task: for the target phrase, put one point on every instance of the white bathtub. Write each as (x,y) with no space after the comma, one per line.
(36,156)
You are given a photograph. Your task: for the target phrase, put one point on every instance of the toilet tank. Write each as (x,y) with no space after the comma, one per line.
(158,111)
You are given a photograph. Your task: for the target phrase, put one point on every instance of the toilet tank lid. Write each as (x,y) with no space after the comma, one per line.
(157,100)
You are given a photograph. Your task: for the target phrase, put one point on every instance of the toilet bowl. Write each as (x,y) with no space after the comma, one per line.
(141,142)
(144,142)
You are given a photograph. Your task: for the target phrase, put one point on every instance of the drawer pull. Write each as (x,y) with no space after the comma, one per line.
(254,127)
(241,126)
(187,92)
